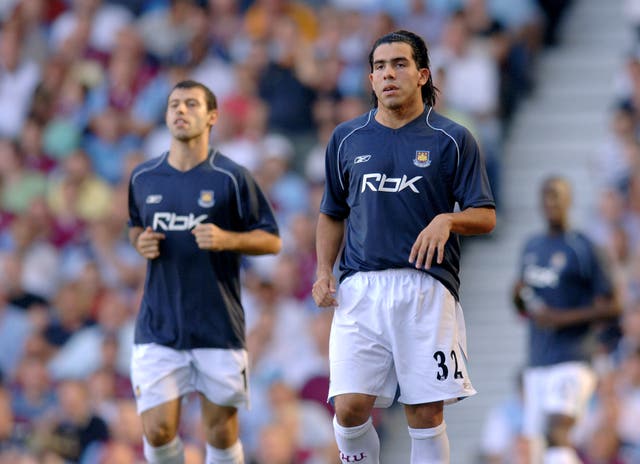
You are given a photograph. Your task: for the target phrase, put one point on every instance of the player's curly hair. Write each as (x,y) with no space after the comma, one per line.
(420,56)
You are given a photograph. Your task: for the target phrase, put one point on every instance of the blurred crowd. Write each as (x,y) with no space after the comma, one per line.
(608,433)
(83,88)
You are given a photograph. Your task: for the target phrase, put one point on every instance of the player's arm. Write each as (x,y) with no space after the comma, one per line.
(329,236)
(254,242)
(145,241)
(517,299)
(604,308)
(432,239)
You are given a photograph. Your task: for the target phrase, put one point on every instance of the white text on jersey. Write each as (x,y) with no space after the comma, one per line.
(539,276)
(172,221)
(381,183)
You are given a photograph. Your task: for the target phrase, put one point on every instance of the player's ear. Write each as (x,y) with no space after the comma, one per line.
(424,76)
(213,117)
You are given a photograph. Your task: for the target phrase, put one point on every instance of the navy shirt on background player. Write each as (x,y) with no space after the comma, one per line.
(192,299)
(380,181)
(564,272)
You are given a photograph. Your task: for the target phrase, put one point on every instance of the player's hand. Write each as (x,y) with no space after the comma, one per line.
(549,318)
(211,237)
(517,298)
(431,242)
(324,291)
(148,243)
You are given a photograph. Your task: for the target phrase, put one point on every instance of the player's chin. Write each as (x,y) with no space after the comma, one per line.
(391,103)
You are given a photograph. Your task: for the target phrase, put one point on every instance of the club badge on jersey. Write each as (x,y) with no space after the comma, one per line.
(206,199)
(422,159)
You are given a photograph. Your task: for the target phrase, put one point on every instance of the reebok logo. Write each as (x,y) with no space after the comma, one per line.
(378,182)
(174,222)
(361,159)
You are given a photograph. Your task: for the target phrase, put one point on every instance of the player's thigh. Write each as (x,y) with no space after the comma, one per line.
(360,358)
(534,420)
(428,336)
(220,423)
(159,375)
(569,387)
(160,423)
(221,375)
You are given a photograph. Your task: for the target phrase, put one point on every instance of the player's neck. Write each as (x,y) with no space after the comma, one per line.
(186,155)
(557,228)
(398,117)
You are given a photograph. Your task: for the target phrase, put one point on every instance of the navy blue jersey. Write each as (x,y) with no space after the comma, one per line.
(390,183)
(192,296)
(564,272)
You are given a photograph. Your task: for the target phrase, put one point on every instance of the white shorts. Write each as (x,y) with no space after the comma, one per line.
(398,327)
(160,374)
(563,388)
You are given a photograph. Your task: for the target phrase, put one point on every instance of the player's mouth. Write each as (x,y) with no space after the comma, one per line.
(390,89)
(180,122)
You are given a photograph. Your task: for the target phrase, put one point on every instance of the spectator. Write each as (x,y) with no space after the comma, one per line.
(503,432)
(19,185)
(105,19)
(18,80)
(34,396)
(285,188)
(15,329)
(176,22)
(75,426)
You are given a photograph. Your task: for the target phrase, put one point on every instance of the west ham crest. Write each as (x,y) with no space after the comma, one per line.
(422,159)
(206,199)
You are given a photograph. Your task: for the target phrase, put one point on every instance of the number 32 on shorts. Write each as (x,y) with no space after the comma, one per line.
(443,370)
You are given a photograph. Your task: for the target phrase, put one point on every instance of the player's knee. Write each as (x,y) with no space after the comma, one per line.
(427,415)
(353,410)
(559,429)
(159,433)
(221,435)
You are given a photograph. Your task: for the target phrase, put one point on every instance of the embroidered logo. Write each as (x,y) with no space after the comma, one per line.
(206,199)
(352,457)
(422,159)
(558,260)
(361,159)
(153,199)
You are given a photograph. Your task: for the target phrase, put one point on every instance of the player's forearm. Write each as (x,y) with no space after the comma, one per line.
(329,235)
(256,242)
(472,221)
(134,233)
(603,309)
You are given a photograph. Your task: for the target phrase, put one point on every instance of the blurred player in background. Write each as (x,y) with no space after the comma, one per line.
(564,291)
(394,176)
(193,212)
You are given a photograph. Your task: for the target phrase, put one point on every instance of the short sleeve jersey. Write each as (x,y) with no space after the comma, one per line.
(191,296)
(390,183)
(565,272)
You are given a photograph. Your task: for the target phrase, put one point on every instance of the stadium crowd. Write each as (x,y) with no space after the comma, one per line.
(83,88)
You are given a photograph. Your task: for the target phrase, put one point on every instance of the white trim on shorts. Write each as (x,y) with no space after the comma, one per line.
(398,327)
(160,374)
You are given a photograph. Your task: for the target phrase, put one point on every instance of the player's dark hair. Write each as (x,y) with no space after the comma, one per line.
(554,179)
(212,101)
(420,56)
